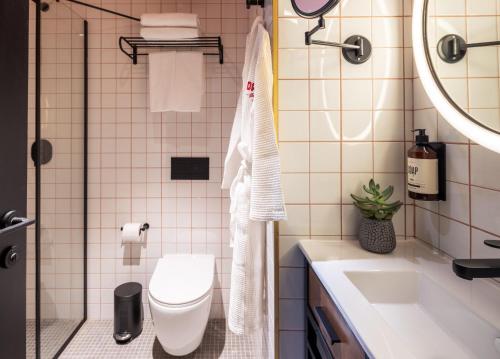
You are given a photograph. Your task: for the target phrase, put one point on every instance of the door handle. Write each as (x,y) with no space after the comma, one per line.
(9,222)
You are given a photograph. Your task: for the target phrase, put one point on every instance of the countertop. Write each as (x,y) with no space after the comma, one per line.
(331,259)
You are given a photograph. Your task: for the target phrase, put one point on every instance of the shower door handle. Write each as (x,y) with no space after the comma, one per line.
(9,222)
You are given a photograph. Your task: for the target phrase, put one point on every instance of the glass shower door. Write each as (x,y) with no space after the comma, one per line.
(60,177)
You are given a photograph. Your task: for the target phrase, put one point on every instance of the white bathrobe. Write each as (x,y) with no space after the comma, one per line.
(252,172)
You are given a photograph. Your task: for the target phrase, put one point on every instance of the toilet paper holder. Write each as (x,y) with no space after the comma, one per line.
(143,228)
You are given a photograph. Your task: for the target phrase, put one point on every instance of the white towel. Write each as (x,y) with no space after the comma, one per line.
(176,81)
(169,33)
(170,19)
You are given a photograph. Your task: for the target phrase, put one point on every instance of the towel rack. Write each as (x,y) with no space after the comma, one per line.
(136,43)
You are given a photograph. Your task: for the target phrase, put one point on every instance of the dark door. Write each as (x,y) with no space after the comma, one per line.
(13,181)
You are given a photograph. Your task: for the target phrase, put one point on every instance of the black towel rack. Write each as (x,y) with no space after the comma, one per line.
(136,43)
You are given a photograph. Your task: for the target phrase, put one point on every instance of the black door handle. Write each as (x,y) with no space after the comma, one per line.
(333,338)
(9,222)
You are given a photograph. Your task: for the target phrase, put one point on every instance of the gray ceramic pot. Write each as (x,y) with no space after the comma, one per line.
(377,236)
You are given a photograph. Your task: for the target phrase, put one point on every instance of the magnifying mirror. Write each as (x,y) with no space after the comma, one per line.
(313,8)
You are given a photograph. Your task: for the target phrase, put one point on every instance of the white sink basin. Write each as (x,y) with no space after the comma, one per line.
(431,322)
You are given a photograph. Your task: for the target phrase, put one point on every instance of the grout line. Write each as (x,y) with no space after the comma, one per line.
(341,129)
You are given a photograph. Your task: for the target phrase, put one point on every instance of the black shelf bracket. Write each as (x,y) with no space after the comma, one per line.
(136,43)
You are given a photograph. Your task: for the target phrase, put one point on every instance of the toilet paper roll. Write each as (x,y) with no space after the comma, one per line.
(131,233)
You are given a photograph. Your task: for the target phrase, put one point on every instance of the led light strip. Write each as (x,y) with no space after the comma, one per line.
(461,121)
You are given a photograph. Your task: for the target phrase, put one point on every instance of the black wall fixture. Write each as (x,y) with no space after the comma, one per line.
(45,152)
(190,168)
(453,48)
(440,149)
(251,3)
(356,49)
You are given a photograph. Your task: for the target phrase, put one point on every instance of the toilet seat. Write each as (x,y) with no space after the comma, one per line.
(182,305)
(182,280)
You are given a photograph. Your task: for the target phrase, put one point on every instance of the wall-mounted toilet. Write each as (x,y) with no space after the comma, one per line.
(180,296)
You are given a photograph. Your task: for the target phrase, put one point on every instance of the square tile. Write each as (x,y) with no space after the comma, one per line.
(357,157)
(325,157)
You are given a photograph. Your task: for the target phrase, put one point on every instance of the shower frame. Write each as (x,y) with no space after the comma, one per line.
(38,164)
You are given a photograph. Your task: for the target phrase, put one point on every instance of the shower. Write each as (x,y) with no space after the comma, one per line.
(57,179)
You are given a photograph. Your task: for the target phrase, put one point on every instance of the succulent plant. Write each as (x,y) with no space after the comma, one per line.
(375,205)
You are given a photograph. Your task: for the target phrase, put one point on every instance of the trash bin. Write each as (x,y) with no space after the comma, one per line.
(128,312)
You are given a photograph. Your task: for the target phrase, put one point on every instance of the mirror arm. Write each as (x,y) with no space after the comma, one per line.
(356,49)
(320,26)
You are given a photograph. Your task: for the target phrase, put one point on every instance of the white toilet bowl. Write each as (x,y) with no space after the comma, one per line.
(180,296)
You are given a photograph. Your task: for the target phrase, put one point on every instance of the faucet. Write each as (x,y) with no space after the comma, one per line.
(478,268)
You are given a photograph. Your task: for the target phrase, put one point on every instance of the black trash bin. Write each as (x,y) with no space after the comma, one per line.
(128,312)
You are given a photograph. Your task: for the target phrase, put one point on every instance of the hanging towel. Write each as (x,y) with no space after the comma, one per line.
(169,33)
(252,172)
(170,20)
(176,81)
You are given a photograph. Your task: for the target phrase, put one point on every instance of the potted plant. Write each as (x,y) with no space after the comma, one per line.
(376,231)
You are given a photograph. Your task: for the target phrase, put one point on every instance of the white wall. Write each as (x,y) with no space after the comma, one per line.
(472,211)
(342,124)
(472,82)
(62,206)
(339,126)
(130,150)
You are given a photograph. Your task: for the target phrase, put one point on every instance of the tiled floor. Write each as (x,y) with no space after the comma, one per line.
(54,333)
(95,340)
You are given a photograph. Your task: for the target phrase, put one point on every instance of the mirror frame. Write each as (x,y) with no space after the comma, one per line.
(449,110)
(328,6)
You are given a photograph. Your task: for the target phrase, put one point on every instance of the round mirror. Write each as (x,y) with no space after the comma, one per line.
(458,61)
(313,8)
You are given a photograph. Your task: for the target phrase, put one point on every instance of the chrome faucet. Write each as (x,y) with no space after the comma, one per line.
(478,268)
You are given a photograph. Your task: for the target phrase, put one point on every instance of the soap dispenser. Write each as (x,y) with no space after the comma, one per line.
(426,169)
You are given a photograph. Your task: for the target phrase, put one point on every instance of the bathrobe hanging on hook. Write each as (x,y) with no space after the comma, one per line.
(252,173)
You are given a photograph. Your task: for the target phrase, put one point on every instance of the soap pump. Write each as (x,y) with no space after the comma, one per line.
(426,169)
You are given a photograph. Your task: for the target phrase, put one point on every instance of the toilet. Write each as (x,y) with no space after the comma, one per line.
(180,296)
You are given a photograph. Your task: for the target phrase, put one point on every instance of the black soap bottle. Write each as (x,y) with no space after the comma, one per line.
(423,173)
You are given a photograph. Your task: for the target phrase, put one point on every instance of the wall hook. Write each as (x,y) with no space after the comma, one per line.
(356,49)
(255,3)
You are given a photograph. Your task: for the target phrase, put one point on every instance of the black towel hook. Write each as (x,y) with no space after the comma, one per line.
(255,3)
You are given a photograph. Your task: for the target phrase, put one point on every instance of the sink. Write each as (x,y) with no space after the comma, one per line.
(431,322)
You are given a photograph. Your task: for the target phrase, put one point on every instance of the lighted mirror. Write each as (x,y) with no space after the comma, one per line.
(313,8)
(458,63)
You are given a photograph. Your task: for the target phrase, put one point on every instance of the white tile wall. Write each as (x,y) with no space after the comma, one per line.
(340,125)
(470,215)
(473,82)
(61,218)
(130,150)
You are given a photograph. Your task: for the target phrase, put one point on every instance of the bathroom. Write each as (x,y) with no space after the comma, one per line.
(125,213)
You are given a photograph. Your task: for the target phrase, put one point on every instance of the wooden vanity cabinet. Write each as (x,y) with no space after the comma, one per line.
(328,335)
